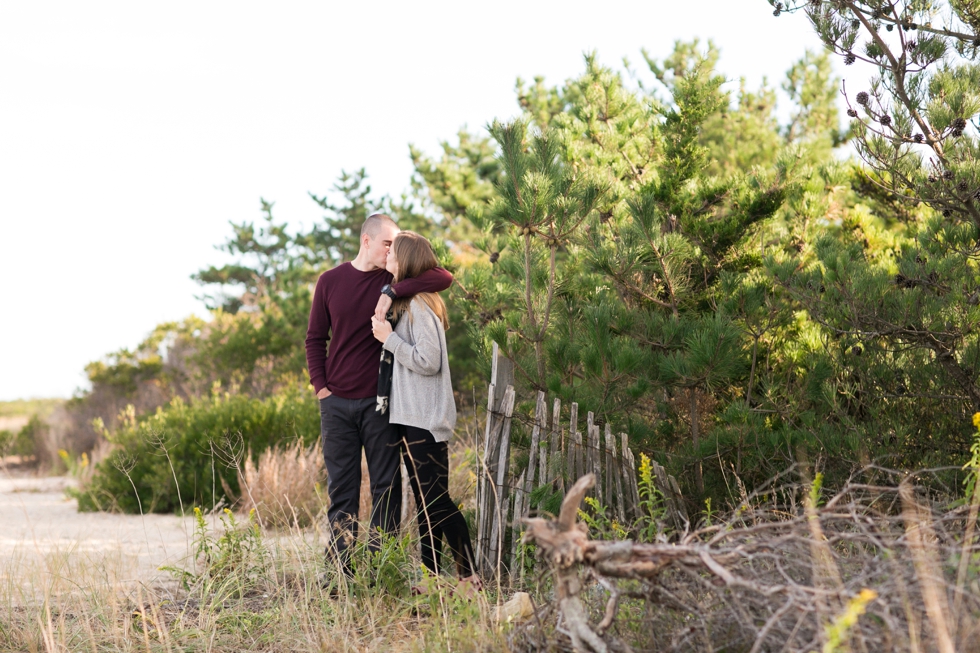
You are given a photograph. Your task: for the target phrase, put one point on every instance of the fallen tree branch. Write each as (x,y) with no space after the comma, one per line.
(783,581)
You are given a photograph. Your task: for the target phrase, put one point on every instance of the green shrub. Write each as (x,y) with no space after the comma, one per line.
(25,442)
(189,453)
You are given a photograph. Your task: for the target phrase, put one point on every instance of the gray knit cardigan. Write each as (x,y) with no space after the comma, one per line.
(421,390)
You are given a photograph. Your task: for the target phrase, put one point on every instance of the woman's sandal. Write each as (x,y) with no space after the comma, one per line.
(468,587)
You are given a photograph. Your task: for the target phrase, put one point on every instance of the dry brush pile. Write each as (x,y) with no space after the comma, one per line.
(883,565)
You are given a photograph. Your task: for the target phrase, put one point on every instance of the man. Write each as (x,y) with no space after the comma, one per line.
(346,382)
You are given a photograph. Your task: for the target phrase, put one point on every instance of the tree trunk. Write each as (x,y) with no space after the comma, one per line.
(696,437)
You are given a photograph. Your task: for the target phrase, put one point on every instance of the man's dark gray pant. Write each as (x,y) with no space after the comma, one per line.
(347,426)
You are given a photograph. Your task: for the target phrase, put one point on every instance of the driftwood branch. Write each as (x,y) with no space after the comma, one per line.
(783,576)
(563,544)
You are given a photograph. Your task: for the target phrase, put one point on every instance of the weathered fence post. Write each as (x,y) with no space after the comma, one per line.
(574,446)
(631,495)
(556,448)
(594,458)
(408,498)
(540,423)
(552,459)
(499,515)
(667,484)
(614,476)
(541,417)
(520,497)
(500,393)
(526,484)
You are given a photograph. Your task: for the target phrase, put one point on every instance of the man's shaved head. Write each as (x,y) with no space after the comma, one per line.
(377,234)
(374,223)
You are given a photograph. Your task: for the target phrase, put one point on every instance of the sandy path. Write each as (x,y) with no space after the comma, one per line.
(40,524)
(13,424)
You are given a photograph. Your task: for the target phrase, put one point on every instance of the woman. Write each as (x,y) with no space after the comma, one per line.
(422,404)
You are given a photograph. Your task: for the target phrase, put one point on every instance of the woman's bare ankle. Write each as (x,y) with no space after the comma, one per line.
(473,581)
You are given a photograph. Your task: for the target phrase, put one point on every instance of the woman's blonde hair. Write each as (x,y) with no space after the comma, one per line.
(415,256)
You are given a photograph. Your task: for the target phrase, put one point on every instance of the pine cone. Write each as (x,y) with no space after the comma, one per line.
(494,257)
(918,138)
(889,27)
(855,23)
(956,133)
(976,43)
(885,120)
(962,186)
(959,124)
(948,174)
(862,98)
(976,195)
(852,113)
(932,179)
(849,59)
(947,213)
(910,46)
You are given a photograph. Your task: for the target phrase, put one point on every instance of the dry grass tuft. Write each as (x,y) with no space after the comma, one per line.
(271,599)
(285,487)
(242,588)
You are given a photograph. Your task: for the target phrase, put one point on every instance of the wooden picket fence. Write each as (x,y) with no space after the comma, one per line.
(558,456)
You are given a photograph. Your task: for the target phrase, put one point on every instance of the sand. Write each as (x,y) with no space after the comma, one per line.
(41,529)
(14,423)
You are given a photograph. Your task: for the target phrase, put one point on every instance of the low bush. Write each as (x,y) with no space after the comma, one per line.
(21,442)
(34,443)
(190,453)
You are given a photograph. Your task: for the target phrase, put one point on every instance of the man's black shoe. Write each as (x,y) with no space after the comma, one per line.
(328,583)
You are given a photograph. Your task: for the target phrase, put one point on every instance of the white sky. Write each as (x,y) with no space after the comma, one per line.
(132,132)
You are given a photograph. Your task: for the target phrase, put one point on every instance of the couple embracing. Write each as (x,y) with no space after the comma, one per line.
(405,409)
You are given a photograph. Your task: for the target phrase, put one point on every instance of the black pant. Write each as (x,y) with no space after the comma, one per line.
(427,462)
(347,426)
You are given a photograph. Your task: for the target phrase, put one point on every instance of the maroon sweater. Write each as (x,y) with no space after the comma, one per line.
(343,303)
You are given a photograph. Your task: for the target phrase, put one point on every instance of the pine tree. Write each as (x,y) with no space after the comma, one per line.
(338,238)
(681,238)
(540,205)
(894,283)
(812,88)
(264,262)
(655,301)
(461,177)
